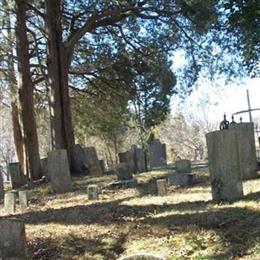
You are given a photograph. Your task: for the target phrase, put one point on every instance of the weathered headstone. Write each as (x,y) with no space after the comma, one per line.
(44,167)
(140,160)
(12,239)
(246,149)
(1,187)
(10,202)
(123,157)
(58,168)
(224,165)
(183,166)
(181,179)
(142,257)
(161,187)
(17,178)
(23,199)
(157,154)
(79,159)
(123,172)
(92,161)
(92,192)
(102,165)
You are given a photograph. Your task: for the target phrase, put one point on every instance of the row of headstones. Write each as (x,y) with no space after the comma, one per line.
(84,160)
(13,243)
(232,159)
(135,157)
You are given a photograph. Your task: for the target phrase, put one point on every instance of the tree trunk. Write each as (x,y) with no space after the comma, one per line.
(25,86)
(59,58)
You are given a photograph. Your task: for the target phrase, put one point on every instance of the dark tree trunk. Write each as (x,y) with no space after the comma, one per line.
(25,86)
(59,58)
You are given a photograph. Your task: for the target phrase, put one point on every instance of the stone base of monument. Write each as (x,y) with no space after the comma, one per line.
(181,179)
(124,183)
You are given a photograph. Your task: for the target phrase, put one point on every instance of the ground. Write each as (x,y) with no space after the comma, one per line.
(185,224)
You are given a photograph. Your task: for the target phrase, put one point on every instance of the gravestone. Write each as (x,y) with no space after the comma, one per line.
(142,257)
(92,161)
(58,168)
(102,165)
(140,160)
(79,159)
(123,172)
(44,167)
(161,187)
(224,165)
(246,149)
(12,239)
(157,154)
(123,157)
(181,179)
(1,187)
(92,192)
(17,178)
(10,202)
(23,199)
(183,166)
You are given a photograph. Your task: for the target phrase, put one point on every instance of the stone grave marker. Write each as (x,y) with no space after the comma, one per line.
(58,168)
(10,202)
(161,187)
(12,239)
(142,256)
(123,172)
(181,179)
(17,178)
(246,149)
(224,165)
(92,161)
(79,159)
(92,192)
(1,187)
(102,165)
(23,199)
(157,154)
(183,166)
(140,158)
(44,167)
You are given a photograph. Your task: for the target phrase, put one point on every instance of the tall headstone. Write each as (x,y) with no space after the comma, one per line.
(157,154)
(140,160)
(12,239)
(246,149)
(92,161)
(102,165)
(123,172)
(224,165)
(10,202)
(79,159)
(58,168)
(1,187)
(17,178)
(183,166)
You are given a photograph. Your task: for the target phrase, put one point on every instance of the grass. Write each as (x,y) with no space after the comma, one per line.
(185,224)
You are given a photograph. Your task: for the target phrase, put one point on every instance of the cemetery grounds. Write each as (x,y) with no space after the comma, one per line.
(185,224)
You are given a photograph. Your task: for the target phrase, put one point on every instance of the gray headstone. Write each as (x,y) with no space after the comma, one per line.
(140,160)
(92,161)
(123,172)
(181,179)
(92,192)
(142,257)
(224,165)
(123,157)
(161,187)
(79,159)
(17,178)
(12,239)
(58,168)
(10,202)
(23,198)
(102,165)
(1,187)
(44,167)
(246,149)
(157,154)
(183,166)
